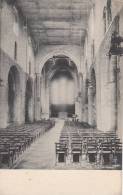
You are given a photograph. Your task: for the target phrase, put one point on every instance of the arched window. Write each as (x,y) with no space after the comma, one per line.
(105,18)
(15,51)
(109,12)
(117,18)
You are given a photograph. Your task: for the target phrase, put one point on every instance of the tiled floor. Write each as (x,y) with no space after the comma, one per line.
(41,154)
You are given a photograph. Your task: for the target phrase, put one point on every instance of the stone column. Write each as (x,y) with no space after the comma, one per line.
(47,100)
(113,92)
(37,98)
(76,98)
(45,97)
(79,107)
(85,103)
(81,98)
(90,105)
(86,113)
(3,105)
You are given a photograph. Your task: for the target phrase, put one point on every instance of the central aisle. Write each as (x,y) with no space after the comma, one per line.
(41,154)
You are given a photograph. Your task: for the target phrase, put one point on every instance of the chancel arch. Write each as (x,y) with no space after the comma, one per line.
(59,87)
(72,53)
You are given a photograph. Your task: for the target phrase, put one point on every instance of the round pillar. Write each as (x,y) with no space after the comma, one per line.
(78,107)
(113,92)
(90,105)
(37,98)
(47,100)
(3,106)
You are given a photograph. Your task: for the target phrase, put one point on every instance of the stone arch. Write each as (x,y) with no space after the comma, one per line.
(13,95)
(29,100)
(56,53)
(45,85)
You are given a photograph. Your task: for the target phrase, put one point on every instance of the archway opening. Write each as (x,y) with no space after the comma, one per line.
(28,101)
(62,97)
(59,87)
(13,94)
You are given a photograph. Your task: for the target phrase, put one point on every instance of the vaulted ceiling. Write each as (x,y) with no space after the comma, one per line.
(56,22)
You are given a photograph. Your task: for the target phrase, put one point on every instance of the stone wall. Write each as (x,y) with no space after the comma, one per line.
(109,111)
(13,31)
(109,104)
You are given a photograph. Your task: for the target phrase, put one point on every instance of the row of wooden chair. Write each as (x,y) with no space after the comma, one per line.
(96,146)
(14,140)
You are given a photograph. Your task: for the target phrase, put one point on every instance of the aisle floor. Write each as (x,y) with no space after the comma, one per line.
(41,154)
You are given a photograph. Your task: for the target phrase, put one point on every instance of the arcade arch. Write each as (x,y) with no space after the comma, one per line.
(13,94)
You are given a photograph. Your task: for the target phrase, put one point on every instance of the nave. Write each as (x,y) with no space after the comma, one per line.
(54,63)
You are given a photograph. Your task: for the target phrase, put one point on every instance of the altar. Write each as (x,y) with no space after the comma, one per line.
(62,115)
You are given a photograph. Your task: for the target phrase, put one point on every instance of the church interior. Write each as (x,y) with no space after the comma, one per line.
(61,76)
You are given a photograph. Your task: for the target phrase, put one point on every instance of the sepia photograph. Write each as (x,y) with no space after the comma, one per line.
(61,84)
